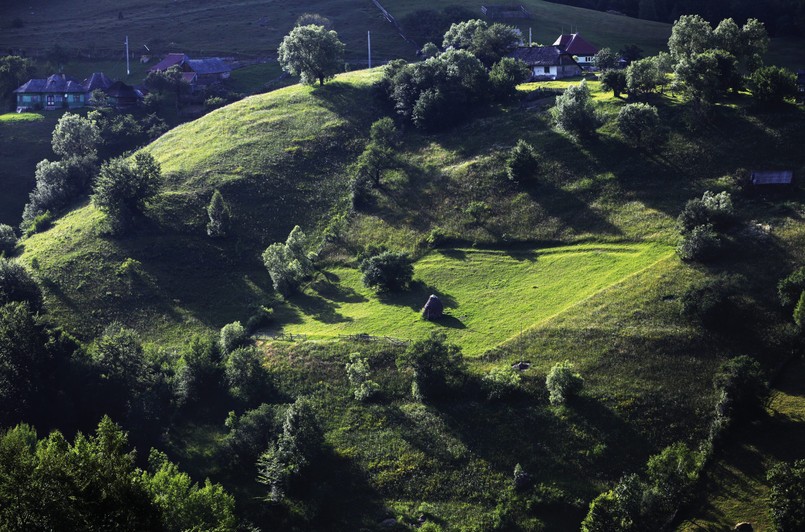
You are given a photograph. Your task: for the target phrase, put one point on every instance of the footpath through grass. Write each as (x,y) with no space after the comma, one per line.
(489,295)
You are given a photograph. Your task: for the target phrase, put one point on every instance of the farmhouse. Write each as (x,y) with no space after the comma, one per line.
(205,71)
(547,62)
(122,95)
(505,12)
(56,92)
(578,47)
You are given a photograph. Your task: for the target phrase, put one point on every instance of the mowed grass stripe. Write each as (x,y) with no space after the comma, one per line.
(490,295)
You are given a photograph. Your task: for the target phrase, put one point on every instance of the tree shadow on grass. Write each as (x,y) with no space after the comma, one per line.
(319,308)
(416,297)
(336,292)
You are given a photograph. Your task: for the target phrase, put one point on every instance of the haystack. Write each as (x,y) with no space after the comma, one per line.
(433,309)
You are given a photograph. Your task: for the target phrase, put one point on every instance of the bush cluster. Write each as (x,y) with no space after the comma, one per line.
(387,271)
(289,264)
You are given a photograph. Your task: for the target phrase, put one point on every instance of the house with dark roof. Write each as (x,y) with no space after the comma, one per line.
(209,70)
(170,60)
(578,47)
(547,62)
(123,96)
(98,80)
(205,71)
(56,92)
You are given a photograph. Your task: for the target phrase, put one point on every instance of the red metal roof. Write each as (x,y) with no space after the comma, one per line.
(169,61)
(574,44)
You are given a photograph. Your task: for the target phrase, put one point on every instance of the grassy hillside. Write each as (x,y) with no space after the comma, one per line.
(580,259)
(270,155)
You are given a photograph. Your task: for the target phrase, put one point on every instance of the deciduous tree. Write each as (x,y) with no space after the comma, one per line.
(311,52)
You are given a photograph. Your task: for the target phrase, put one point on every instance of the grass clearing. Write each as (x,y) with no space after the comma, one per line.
(489,295)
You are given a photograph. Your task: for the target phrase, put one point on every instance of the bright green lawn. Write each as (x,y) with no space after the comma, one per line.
(490,295)
(11,118)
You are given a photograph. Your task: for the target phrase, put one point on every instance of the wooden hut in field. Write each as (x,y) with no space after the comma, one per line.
(433,309)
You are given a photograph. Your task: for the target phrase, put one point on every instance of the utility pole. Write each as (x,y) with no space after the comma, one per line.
(369,44)
(128,66)
(529,37)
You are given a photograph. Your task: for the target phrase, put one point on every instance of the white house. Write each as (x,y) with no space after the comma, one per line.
(547,62)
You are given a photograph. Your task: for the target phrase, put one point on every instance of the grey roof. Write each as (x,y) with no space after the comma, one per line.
(98,80)
(542,56)
(209,65)
(53,84)
(781,177)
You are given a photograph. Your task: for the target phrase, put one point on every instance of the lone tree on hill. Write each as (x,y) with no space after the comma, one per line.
(123,187)
(219,214)
(312,53)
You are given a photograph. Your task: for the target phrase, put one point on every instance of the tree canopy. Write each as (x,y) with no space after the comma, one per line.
(311,52)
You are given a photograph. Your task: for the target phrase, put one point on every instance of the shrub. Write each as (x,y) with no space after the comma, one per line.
(701,244)
(505,75)
(711,302)
(639,124)
(501,383)
(563,383)
(233,336)
(523,162)
(387,272)
(219,215)
(614,80)
(790,288)
(478,211)
(671,475)
(772,85)
(16,284)
(712,208)
(288,264)
(799,312)
(250,434)
(245,375)
(201,372)
(436,365)
(787,496)
(123,188)
(8,240)
(574,112)
(288,461)
(744,385)
(363,388)
(437,92)
(40,223)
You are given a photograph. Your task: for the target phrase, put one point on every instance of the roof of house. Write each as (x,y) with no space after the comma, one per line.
(575,44)
(118,89)
(98,80)
(189,77)
(170,60)
(209,65)
(781,177)
(55,83)
(542,56)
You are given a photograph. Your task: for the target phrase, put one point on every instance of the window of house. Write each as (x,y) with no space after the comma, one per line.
(546,70)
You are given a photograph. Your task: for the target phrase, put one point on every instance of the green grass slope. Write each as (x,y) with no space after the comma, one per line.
(489,295)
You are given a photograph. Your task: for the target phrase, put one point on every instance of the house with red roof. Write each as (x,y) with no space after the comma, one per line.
(578,47)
